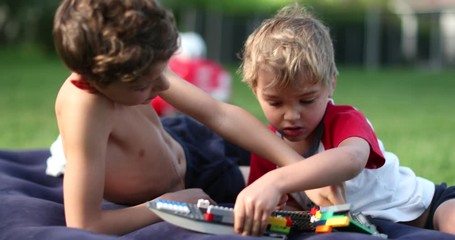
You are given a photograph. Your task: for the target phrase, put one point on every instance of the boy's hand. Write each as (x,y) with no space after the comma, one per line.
(191,195)
(282,203)
(327,196)
(253,208)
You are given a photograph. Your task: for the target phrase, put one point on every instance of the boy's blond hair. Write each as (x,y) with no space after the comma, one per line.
(113,40)
(292,41)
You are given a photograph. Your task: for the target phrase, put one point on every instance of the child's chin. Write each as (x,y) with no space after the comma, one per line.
(294,138)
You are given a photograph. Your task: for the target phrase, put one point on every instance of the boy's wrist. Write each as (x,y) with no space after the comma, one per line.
(277,180)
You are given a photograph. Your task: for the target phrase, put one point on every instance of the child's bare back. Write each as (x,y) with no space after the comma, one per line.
(139,152)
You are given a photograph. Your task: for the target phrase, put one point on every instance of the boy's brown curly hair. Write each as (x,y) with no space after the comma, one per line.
(113,40)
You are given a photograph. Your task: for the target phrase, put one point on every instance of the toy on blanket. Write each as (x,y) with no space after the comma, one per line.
(339,218)
(213,219)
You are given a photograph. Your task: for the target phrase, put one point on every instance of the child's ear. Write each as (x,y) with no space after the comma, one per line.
(332,86)
(254,91)
(81,83)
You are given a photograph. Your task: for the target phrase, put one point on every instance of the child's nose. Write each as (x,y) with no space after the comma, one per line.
(292,113)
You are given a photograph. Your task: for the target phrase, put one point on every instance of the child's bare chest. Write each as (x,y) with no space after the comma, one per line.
(143,161)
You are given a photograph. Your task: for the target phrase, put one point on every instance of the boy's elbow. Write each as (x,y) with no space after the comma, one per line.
(81,225)
(356,152)
(358,160)
(92,226)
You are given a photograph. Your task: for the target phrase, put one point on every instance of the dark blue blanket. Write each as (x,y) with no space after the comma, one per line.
(31,207)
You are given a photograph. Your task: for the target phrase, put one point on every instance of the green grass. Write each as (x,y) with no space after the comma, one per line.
(28,86)
(411,110)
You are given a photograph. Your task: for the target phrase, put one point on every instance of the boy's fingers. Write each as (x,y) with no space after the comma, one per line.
(261,222)
(239,224)
(243,219)
(247,223)
(250,220)
(282,202)
(257,223)
(239,219)
(264,222)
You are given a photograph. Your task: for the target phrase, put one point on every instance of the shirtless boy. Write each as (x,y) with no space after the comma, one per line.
(116,146)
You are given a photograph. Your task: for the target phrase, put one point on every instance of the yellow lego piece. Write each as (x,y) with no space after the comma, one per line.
(278,221)
(341,221)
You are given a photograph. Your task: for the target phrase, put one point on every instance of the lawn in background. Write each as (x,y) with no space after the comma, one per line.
(29,82)
(410,109)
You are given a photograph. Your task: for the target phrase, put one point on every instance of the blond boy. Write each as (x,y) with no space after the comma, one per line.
(289,64)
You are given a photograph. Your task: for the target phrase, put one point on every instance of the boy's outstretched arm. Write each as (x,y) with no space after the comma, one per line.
(334,166)
(83,191)
(230,122)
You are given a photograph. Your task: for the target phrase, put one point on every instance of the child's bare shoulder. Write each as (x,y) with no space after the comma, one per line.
(74,99)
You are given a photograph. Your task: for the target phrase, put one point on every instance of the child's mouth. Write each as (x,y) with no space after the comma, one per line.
(293,131)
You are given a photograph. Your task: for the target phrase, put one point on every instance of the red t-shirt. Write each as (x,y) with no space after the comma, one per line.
(340,122)
(203,73)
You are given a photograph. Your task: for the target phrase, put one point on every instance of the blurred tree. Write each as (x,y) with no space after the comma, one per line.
(353,23)
(365,32)
(27,22)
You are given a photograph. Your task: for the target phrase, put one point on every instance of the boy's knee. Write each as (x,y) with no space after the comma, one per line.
(328,196)
(336,194)
(445,217)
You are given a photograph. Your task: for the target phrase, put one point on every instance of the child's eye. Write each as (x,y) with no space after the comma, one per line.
(305,102)
(275,104)
(141,89)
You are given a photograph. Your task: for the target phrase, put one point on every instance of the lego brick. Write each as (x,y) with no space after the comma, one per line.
(280,229)
(342,208)
(323,229)
(341,221)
